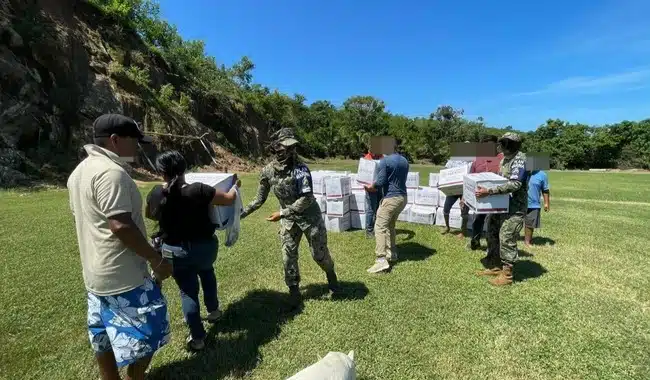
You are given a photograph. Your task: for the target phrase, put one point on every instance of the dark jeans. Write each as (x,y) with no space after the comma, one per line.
(192,261)
(449,202)
(477,228)
(372,204)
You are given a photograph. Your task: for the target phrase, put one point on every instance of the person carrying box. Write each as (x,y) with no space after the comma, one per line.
(372,200)
(504,229)
(482,165)
(391,180)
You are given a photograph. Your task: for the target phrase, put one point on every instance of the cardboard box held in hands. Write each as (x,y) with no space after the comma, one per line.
(220,181)
(491,204)
(367,171)
(450,181)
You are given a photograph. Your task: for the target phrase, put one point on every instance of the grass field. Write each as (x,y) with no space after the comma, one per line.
(580,307)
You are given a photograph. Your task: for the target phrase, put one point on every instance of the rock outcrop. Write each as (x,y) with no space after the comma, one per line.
(62,65)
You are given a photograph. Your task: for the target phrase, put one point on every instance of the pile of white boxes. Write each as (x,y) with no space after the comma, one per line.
(342,198)
(335,197)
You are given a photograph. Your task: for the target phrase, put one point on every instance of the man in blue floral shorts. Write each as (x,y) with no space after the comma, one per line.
(127,313)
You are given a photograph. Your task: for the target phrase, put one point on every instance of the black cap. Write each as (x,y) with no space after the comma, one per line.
(115,124)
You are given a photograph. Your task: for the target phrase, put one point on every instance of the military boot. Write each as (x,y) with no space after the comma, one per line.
(333,282)
(504,277)
(492,267)
(295,298)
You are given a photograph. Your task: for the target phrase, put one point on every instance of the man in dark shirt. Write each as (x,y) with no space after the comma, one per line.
(391,180)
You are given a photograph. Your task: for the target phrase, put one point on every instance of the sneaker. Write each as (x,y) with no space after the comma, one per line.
(194,344)
(380,266)
(370,235)
(214,316)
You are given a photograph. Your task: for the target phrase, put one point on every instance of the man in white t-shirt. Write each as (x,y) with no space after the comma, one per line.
(127,313)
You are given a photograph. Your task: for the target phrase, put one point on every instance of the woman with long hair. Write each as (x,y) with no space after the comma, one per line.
(188,238)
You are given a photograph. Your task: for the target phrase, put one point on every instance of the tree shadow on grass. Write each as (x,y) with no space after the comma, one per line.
(232,345)
(409,234)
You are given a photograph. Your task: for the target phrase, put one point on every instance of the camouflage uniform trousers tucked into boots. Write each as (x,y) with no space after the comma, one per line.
(317,238)
(502,236)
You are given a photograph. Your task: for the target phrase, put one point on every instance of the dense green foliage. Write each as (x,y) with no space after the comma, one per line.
(330,131)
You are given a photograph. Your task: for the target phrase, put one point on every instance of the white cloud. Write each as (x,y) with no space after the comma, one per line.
(630,80)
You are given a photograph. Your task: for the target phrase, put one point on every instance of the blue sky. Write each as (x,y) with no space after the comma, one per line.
(512,62)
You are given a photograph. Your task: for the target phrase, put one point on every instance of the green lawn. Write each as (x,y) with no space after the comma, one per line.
(580,308)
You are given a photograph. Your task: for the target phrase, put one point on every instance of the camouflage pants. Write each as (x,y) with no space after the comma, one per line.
(502,235)
(316,236)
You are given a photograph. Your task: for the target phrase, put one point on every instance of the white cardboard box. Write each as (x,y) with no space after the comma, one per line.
(337,186)
(318,181)
(404,215)
(433,179)
(413,180)
(491,204)
(337,223)
(410,196)
(354,184)
(367,171)
(422,215)
(450,180)
(358,220)
(442,198)
(427,196)
(322,202)
(455,219)
(220,181)
(358,201)
(338,206)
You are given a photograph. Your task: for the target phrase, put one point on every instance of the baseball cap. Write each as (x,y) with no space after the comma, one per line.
(115,124)
(511,136)
(286,137)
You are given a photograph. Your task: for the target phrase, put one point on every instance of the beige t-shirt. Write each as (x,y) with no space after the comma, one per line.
(99,188)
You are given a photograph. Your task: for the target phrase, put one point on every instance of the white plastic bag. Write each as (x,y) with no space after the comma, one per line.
(232,230)
(334,366)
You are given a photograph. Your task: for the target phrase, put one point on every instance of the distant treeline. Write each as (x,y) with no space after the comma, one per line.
(329,131)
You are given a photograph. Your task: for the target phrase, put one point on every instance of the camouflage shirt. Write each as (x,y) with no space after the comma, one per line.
(293,188)
(514,170)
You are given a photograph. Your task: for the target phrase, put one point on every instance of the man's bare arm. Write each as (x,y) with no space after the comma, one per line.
(123,226)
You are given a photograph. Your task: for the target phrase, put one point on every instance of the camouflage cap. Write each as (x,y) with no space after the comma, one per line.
(285,136)
(511,136)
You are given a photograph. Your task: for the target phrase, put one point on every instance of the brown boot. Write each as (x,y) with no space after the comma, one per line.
(492,267)
(504,278)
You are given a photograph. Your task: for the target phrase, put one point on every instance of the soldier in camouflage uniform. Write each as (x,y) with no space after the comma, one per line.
(504,229)
(300,214)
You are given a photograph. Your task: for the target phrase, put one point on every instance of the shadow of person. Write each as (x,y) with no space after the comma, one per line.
(412,251)
(349,291)
(409,234)
(523,253)
(232,345)
(542,240)
(527,269)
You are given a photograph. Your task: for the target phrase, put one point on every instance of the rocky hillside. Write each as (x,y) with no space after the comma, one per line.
(65,62)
